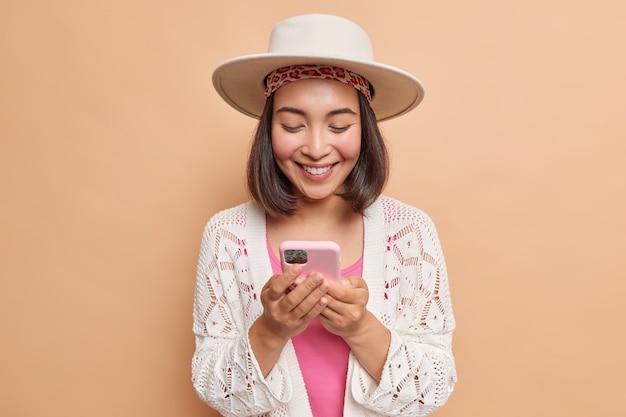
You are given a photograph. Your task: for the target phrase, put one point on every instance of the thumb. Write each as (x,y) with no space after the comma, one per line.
(354,281)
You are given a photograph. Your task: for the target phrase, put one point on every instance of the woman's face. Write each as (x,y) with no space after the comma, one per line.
(316,135)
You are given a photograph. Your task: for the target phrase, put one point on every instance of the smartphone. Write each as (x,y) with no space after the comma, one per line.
(321,256)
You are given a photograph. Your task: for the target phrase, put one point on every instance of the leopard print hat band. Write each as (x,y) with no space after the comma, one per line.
(285,75)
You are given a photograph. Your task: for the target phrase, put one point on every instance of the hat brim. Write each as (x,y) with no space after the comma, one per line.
(240,82)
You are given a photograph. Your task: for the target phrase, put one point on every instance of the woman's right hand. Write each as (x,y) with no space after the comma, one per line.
(290,302)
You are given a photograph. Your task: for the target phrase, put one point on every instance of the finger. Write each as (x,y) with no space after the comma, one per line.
(308,293)
(311,307)
(278,284)
(339,317)
(334,307)
(349,289)
(340,290)
(354,281)
(336,310)
(294,284)
(318,308)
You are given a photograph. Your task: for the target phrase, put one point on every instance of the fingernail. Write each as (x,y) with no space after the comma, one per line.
(316,279)
(295,269)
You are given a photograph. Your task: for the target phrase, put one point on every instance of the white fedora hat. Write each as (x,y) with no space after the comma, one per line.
(317,39)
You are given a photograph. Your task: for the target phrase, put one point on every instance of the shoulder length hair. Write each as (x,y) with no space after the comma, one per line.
(271,189)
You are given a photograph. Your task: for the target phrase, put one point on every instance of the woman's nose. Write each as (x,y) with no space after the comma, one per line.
(317,144)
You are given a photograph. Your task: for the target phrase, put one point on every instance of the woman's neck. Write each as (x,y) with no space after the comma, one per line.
(313,215)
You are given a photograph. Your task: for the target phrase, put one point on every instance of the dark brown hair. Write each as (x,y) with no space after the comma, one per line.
(271,189)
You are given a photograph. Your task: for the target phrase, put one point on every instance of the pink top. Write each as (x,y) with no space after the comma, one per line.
(323,358)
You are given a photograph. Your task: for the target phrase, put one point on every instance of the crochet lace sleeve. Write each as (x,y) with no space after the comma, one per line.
(419,373)
(225,373)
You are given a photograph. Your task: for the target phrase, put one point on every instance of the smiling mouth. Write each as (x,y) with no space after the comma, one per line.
(317,171)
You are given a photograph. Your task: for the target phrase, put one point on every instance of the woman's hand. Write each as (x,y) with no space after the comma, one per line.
(347,307)
(346,315)
(290,302)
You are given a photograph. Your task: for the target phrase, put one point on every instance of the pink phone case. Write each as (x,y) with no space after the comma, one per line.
(313,255)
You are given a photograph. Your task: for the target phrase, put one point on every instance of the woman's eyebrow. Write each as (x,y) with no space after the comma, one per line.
(291,110)
(345,110)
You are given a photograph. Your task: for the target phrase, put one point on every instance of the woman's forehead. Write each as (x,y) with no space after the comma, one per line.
(316,94)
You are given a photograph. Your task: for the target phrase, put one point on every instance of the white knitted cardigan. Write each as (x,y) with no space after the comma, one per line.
(405,271)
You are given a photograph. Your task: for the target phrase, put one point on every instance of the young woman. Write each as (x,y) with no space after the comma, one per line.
(274,343)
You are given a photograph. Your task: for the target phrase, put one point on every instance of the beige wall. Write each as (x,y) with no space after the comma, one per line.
(114,151)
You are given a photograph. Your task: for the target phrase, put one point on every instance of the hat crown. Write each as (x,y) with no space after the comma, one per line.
(321,35)
(316,39)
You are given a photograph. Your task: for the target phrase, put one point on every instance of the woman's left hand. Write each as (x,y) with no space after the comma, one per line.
(347,306)
(346,315)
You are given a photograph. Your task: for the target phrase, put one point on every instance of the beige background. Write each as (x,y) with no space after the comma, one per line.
(115,150)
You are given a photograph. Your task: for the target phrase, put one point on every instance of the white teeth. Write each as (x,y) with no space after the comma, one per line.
(317,171)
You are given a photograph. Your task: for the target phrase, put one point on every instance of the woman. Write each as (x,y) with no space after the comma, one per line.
(279,343)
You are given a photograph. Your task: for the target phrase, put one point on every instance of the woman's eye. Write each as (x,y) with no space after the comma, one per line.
(339,129)
(291,129)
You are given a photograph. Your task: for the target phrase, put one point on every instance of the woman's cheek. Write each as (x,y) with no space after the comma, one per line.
(350,147)
(281,148)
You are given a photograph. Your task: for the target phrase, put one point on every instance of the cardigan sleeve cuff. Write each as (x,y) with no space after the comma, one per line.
(364,387)
(278,381)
